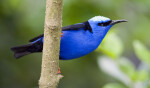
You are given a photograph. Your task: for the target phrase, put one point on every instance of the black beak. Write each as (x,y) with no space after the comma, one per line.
(117,21)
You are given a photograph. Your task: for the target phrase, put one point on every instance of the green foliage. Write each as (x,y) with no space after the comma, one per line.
(126,67)
(142,75)
(114,85)
(141,51)
(128,74)
(112,46)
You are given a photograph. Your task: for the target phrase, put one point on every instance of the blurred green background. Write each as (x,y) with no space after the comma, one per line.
(122,60)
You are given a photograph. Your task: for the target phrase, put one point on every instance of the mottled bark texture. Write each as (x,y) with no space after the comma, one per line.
(52,33)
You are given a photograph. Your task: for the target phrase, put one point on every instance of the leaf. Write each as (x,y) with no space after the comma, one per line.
(141,51)
(111,46)
(142,75)
(114,85)
(110,67)
(127,67)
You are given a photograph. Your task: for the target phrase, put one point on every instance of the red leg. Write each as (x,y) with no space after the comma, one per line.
(61,34)
(59,72)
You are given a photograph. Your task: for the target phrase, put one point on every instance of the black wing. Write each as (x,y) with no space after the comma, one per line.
(36,38)
(84,25)
(74,27)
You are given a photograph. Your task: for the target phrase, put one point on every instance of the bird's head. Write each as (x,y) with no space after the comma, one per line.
(100,24)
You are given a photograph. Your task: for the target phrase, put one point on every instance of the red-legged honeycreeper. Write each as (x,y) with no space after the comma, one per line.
(77,40)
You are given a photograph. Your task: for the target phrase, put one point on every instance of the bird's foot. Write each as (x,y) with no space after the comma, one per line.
(61,34)
(59,72)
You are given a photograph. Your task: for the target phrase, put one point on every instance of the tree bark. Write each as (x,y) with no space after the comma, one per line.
(52,33)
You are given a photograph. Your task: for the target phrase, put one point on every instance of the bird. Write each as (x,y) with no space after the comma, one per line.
(77,40)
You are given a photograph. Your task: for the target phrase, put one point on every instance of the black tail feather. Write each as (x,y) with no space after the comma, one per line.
(20,51)
(18,55)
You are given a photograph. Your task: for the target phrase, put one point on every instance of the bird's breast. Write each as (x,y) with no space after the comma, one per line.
(77,43)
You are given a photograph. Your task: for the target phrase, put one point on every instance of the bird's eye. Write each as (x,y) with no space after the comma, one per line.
(105,23)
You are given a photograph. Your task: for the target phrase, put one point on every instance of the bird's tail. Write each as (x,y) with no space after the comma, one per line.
(20,51)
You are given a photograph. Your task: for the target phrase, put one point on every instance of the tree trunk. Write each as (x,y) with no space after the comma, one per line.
(52,33)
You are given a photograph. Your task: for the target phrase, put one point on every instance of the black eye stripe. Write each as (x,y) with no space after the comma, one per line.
(105,24)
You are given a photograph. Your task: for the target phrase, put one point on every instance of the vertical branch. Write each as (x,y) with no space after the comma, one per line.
(52,30)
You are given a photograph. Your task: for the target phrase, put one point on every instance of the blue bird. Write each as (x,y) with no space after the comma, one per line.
(77,40)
